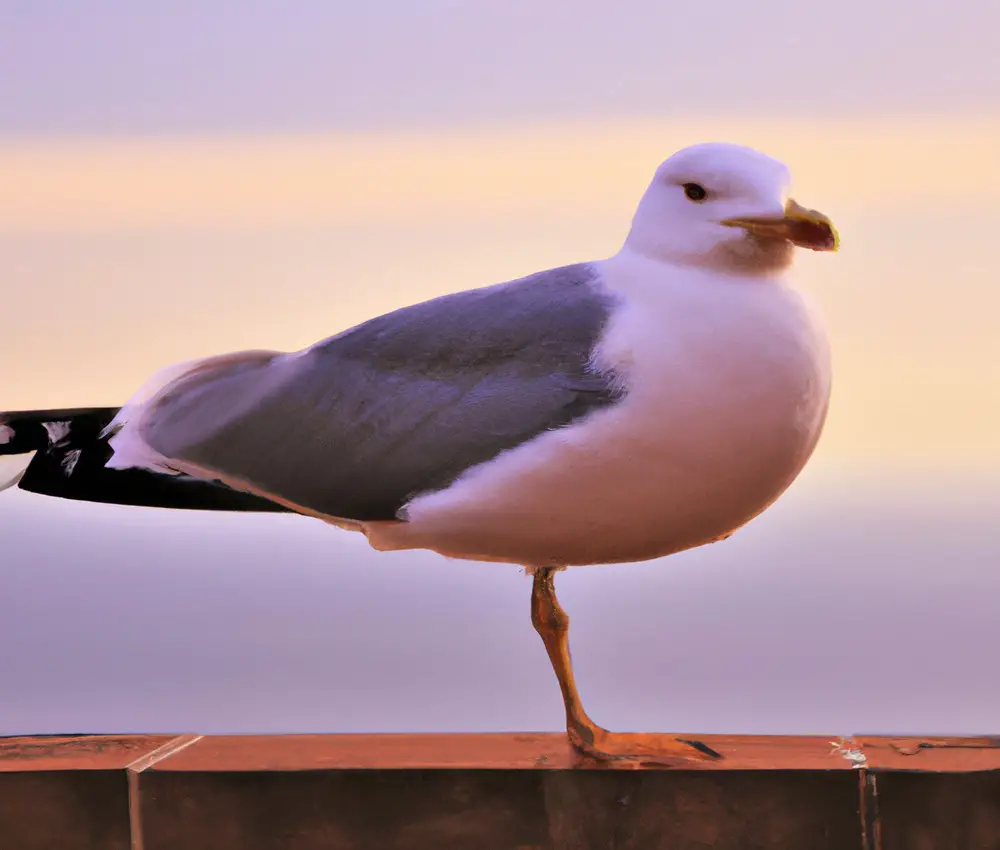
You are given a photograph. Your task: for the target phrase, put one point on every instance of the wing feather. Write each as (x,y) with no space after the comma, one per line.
(356,425)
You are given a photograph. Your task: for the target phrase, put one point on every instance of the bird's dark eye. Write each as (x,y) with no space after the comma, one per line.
(695,191)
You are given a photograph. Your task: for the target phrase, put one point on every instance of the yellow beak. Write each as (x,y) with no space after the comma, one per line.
(802,227)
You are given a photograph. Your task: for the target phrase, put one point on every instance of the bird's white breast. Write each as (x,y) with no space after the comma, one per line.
(727,382)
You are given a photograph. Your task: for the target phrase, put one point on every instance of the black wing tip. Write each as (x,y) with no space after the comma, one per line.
(23,431)
(72,465)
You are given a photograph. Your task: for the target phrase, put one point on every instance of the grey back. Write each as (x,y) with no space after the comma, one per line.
(359,423)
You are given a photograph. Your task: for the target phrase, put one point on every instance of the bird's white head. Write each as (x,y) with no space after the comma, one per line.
(725,207)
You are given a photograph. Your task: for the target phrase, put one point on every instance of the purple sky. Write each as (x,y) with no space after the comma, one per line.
(851,606)
(114,66)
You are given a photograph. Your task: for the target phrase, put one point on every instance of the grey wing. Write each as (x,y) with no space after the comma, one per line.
(358,424)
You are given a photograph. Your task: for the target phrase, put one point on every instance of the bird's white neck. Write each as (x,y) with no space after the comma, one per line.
(634,274)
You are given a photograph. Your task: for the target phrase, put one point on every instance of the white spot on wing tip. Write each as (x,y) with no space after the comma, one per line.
(69,462)
(57,431)
(6,434)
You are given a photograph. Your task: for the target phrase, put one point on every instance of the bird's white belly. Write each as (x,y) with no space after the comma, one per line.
(719,418)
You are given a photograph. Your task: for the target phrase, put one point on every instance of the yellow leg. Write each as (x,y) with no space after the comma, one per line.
(552,624)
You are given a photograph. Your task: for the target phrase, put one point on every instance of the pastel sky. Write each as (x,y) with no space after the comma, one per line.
(180,178)
(183,178)
(125,254)
(265,66)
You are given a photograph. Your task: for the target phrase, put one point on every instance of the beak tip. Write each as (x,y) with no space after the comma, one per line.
(802,227)
(810,229)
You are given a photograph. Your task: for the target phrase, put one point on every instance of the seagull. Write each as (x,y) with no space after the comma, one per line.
(604,412)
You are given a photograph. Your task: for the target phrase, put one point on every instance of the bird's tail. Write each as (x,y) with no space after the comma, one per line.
(63,453)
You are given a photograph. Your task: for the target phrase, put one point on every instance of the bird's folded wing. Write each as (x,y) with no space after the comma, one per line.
(358,424)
